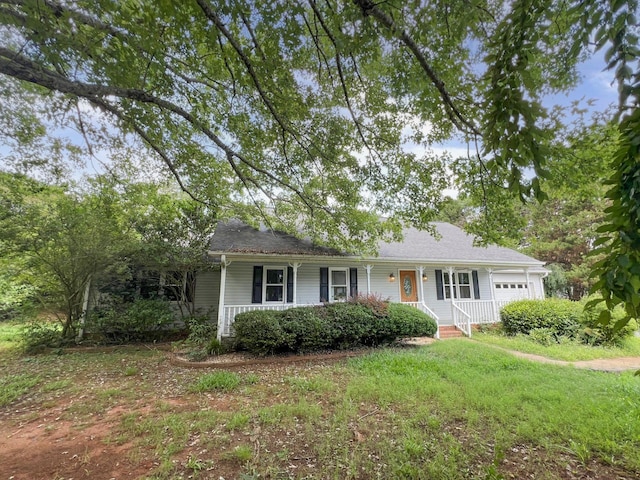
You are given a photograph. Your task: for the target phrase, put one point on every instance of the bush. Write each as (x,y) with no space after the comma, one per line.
(201,329)
(37,335)
(407,321)
(561,316)
(333,326)
(352,325)
(543,336)
(595,333)
(307,329)
(139,321)
(261,332)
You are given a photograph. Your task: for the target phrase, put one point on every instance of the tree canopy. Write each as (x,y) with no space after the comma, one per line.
(296,112)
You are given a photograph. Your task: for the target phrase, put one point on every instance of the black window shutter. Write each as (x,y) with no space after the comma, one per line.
(324,284)
(476,285)
(289,284)
(353,282)
(256,296)
(439,288)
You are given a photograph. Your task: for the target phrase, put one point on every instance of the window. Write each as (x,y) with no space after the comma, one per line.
(274,285)
(338,285)
(447,286)
(464,284)
(461,285)
(174,286)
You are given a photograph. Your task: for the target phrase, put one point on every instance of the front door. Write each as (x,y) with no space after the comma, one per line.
(408,290)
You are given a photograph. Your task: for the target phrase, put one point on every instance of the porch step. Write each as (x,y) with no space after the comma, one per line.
(449,331)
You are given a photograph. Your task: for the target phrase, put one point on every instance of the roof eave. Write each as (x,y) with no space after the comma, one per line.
(450,261)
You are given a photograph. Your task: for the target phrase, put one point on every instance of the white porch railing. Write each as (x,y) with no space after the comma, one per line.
(482,311)
(230,312)
(422,306)
(461,319)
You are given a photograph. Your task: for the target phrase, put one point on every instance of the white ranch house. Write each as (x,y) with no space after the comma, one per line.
(452,280)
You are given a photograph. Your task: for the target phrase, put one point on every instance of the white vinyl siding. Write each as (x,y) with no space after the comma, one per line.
(207,292)
(240,280)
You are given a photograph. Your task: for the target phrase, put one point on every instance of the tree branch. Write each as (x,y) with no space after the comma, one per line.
(371,9)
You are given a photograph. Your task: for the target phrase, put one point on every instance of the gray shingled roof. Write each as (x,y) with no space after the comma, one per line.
(237,237)
(455,246)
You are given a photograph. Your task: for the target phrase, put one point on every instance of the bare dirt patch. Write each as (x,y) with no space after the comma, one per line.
(48,447)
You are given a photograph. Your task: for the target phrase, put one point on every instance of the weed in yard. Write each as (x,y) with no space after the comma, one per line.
(13,387)
(57,385)
(130,371)
(315,384)
(196,465)
(240,454)
(217,381)
(237,421)
(286,414)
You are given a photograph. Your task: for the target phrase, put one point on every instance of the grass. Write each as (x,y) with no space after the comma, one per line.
(223,381)
(9,335)
(454,409)
(13,387)
(572,351)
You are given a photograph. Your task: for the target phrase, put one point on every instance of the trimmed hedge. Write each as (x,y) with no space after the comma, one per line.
(332,326)
(560,316)
(411,322)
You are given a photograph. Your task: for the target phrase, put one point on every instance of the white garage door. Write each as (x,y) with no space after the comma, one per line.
(511,290)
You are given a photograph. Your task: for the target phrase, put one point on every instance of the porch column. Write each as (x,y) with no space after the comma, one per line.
(451,294)
(295,266)
(526,272)
(494,307)
(368,269)
(420,273)
(223,282)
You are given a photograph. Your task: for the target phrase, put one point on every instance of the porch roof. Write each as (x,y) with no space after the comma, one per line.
(455,246)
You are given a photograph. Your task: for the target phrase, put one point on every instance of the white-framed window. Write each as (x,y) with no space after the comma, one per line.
(464,284)
(461,285)
(274,284)
(338,284)
(175,286)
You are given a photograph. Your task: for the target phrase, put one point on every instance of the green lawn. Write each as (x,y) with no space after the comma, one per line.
(454,409)
(572,351)
(9,336)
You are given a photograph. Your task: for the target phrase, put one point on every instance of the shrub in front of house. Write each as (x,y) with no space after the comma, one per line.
(261,332)
(596,333)
(560,316)
(408,321)
(307,329)
(333,326)
(142,320)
